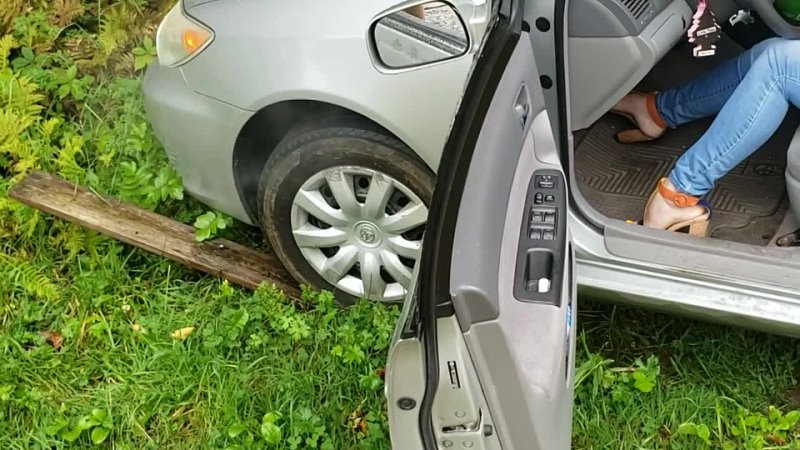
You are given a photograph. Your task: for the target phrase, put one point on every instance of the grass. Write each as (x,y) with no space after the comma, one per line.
(106,346)
(249,355)
(711,376)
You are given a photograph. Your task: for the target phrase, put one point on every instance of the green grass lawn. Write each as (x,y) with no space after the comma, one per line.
(105,346)
(736,388)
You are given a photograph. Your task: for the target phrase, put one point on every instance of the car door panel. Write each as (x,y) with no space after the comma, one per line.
(529,348)
(405,374)
(495,303)
(519,340)
(490,184)
(405,385)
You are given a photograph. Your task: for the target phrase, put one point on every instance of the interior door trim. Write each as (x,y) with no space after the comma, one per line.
(503,34)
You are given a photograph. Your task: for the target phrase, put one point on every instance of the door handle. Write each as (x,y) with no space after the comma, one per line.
(522,106)
(539,271)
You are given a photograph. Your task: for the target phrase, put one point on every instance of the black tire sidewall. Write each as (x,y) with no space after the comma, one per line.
(300,156)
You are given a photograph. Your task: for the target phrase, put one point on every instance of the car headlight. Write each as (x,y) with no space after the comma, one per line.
(179,37)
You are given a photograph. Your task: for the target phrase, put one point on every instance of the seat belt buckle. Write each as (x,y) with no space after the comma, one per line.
(741,16)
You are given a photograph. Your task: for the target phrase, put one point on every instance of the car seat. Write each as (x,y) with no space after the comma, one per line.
(793,174)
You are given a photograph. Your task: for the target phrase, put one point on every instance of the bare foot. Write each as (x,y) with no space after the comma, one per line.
(635,104)
(662,214)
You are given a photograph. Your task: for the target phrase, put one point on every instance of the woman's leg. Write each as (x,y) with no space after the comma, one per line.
(751,115)
(704,96)
(695,99)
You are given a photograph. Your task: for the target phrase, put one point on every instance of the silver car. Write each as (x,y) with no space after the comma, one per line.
(325,122)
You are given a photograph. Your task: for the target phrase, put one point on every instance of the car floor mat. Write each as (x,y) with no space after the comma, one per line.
(748,203)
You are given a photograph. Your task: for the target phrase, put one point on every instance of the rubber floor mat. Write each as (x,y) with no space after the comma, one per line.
(748,203)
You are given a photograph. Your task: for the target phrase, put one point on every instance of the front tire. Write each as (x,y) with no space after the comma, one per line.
(344,208)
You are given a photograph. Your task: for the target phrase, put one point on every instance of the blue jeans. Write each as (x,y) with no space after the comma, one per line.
(750,94)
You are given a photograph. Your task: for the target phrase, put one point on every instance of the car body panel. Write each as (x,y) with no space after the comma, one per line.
(206,127)
(189,4)
(730,301)
(239,68)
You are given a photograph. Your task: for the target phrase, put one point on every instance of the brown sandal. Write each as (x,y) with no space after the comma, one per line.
(637,136)
(697,226)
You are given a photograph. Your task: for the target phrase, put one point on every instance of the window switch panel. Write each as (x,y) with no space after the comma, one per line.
(542,249)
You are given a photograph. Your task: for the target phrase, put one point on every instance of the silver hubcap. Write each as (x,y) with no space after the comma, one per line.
(361,230)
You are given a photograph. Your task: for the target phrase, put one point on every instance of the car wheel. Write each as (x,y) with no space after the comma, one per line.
(344,208)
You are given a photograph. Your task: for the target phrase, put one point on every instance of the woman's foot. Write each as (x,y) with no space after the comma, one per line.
(640,109)
(668,209)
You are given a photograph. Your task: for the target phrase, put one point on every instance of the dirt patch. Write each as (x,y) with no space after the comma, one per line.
(792,398)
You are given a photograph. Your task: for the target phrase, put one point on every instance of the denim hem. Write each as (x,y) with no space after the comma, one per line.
(682,188)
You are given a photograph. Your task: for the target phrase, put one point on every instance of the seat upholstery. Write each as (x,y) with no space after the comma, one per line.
(793,174)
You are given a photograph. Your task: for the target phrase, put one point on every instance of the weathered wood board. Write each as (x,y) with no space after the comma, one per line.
(152,232)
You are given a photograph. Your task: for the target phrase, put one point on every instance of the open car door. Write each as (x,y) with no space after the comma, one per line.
(483,355)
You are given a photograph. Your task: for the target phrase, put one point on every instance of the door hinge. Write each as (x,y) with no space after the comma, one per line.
(467,435)
(460,418)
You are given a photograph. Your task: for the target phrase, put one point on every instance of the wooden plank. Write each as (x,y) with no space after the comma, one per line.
(152,232)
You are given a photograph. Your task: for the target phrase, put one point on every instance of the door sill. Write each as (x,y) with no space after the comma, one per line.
(717,258)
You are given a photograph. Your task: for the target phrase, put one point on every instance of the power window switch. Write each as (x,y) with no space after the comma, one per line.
(536,233)
(549,235)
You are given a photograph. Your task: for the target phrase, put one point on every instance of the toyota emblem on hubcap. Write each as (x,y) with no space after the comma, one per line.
(368,234)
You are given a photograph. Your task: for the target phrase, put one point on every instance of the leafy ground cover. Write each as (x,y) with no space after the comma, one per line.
(651,381)
(106,346)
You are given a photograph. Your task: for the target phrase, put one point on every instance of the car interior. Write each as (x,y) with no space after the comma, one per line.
(615,46)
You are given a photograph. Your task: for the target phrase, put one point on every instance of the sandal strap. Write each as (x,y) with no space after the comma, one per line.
(652,109)
(679,199)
